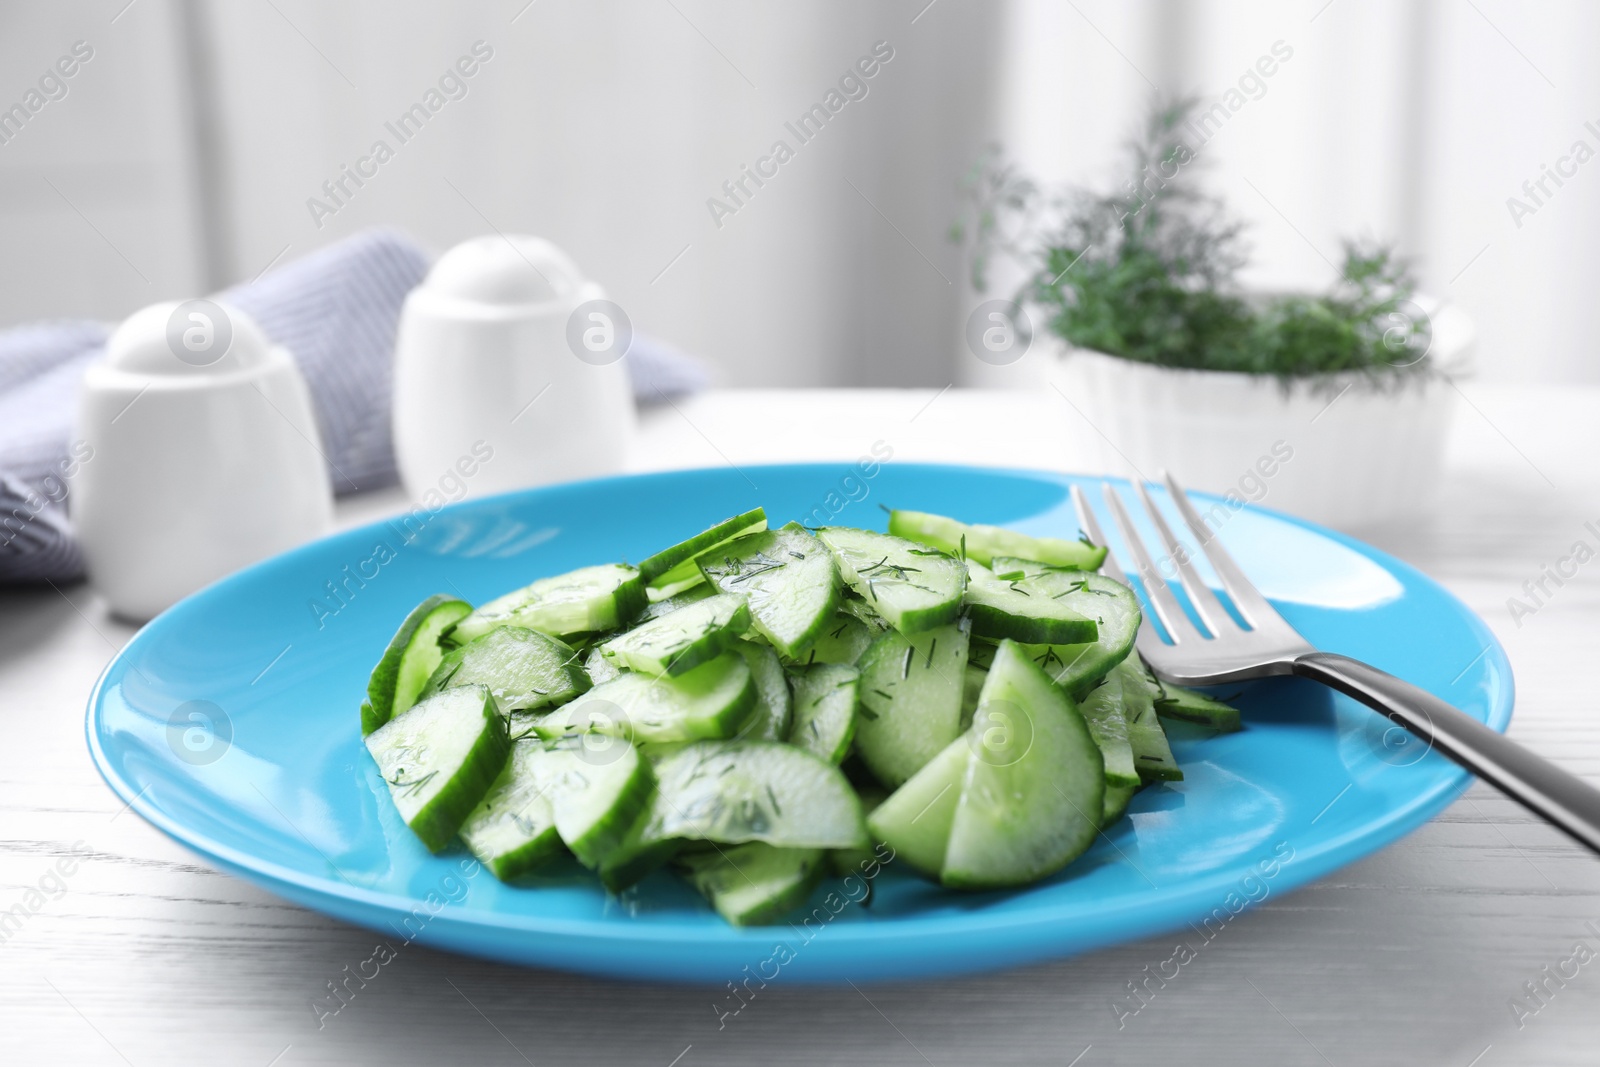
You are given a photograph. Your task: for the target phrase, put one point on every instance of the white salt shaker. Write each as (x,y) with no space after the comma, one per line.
(508,372)
(204,455)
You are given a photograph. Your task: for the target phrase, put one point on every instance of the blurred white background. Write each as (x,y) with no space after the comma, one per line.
(183,153)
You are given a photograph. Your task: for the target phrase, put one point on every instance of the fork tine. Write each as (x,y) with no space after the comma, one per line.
(1165,605)
(1148,638)
(1255,608)
(1205,602)
(1091,526)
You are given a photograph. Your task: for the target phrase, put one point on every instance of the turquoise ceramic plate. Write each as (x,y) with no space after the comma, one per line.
(230,722)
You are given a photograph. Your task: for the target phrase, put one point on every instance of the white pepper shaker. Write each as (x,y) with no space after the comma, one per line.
(505,351)
(204,455)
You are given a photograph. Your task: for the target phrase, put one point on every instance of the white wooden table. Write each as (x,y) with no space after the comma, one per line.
(1413,956)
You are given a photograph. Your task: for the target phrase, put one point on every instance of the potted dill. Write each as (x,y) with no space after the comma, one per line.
(1332,405)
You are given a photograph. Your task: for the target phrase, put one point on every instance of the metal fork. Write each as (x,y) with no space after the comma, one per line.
(1226,652)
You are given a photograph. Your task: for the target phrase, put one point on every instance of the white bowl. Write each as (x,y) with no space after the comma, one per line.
(1341,452)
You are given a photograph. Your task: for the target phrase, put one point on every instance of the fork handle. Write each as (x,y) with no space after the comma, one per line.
(1536,783)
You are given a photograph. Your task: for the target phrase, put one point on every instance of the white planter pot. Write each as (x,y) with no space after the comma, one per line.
(1349,456)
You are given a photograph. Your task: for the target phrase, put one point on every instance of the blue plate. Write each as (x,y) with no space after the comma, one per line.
(230,722)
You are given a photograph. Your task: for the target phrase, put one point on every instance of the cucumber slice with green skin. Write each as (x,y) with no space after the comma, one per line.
(410,659)
(915,820)
(736,791)
(984,543)
(513,830)
(637,856)
(673,565)
(598,787)
(1116,803)
(681,640)
(825,710)
(789,578)
(1102,710)
(1034,788)
(972,680)
(860,609)
(1008,568)
(910,700)
(598,668)
(774,707)
(1030,610)
(439,758)
(524,669)
(1075,668)
(657,593)
(666,605)
(587,600)
(1152,755)
(914,588)
(842,641)
(1111,604)
(754,884)
(712,701)
(1187,705)
(864,864)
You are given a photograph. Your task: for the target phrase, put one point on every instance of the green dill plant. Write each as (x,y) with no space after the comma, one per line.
(1148,273)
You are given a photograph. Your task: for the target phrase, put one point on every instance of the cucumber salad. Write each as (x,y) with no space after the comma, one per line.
(755,707)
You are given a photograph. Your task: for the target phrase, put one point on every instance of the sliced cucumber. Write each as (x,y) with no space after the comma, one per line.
(770,719)
(754,883)
(1102,710)
(915,820)
(911,692)
(666,605)
(524,669)
(853,605)
(680,641)
(841,641)
(736,703)
(440,757)
(411,657)
(1110,603)
(1075,668)
(598,668)
(864,864)
(913,587)
(637,855)
(1152,755)
(825,710)
(972,680)
(713,700)
(1034,788)
(583,643)
(513,829)
(984,543)
(789,578)
(674,565)
(597,788)
(583,601)
(1187,705)
(735,791)
(1116,803)
(1024,609)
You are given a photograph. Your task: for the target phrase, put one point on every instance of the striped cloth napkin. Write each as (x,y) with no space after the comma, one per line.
(336,310)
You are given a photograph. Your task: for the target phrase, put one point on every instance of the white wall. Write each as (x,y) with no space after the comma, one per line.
(606,126)
(95,189)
